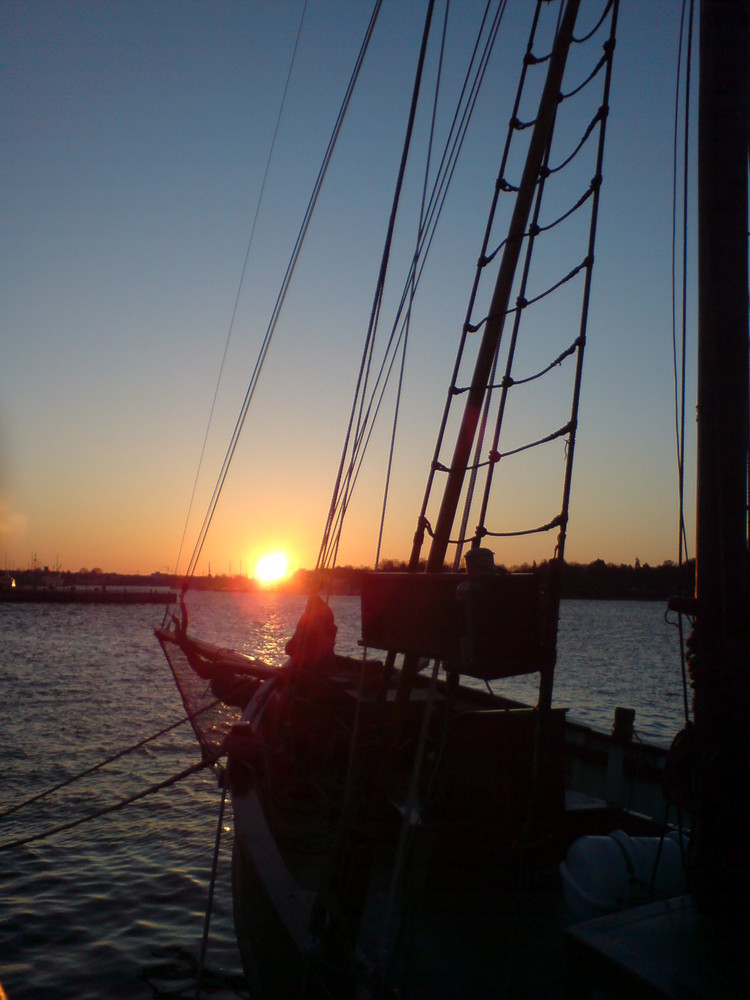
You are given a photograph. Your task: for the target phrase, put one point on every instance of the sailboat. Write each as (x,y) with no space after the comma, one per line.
(403,830)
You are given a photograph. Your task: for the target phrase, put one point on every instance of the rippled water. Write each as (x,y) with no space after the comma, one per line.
(115,907)
(617,653)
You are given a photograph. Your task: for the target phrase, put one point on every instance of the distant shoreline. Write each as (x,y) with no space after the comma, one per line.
(592,581)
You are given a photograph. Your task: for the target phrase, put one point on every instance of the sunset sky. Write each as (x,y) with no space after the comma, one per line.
(134,139)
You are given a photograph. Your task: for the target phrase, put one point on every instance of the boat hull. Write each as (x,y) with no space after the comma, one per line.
(340,894)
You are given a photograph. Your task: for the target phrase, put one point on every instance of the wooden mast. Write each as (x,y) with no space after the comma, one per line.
(721,537)
(493,328)
(720,651)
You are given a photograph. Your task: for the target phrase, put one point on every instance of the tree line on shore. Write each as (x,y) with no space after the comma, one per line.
(597,580)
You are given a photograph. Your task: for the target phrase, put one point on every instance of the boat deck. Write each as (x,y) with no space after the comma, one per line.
(671,949)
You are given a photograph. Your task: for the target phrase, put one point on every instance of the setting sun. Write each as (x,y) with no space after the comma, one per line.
(271,568)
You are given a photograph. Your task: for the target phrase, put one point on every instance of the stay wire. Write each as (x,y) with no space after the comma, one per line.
(453,147)
(281,297)
(211,887)
(356,414)
(467,114)
(412,289)
(108,760)
(242,282)
(683,346)
(449,161)
(357,462)
(447,166)
(680,376)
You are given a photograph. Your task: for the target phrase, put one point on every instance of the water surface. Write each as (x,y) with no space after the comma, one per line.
(115,908)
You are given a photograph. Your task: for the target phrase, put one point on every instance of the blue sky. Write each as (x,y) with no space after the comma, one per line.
(134,142)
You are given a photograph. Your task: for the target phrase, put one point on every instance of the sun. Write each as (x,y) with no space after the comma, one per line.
(271,568)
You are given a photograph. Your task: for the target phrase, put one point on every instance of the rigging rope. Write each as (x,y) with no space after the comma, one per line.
(567,480)
(528,61)
(680,378)
(537,228)
(242,282)
(378,298)
(452,149)
(356,446)
(568,352)
(534,230)
(589,35)
(593,186)
(584,83)
(115,807)
(589,129)
(281,297)
(108,760)
(485,532)
(521,301)
(211,887)
(453,146)
(412,291)
(540,529)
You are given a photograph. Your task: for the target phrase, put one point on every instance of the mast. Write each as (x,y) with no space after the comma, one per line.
(493,329)
(720,652)
(721,537)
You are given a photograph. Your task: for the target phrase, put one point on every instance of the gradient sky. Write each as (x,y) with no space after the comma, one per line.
(134,142)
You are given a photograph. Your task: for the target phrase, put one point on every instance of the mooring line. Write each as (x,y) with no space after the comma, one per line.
(53,831)
(211,886)
(108,760)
